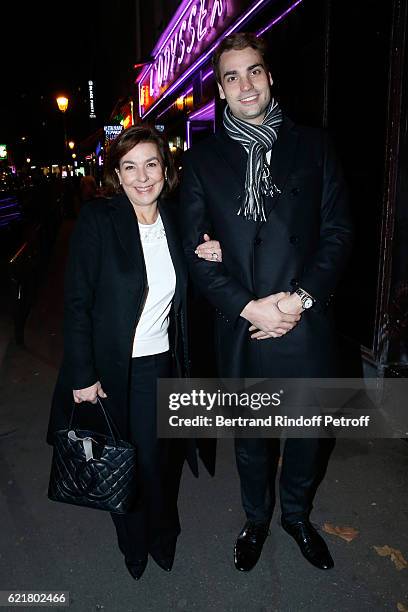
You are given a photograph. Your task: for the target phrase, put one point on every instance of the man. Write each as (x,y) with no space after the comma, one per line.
(272,193)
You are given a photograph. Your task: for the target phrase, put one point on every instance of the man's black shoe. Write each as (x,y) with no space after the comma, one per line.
(136,567)
(311,544)
(248,546)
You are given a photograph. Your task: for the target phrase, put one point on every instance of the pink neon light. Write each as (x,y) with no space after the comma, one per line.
(182,44)
(202,111)
(177,17)
(275,21)
(188,132)
(203,58)
(173,25)
(207,74)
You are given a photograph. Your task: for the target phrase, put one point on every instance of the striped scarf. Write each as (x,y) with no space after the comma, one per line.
(256,140)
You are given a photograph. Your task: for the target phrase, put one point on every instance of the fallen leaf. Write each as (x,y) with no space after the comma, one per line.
(346,533)
(395,555)
(401,607)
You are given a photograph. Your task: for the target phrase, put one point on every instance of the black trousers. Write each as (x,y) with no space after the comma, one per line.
(304,462)
(154,520)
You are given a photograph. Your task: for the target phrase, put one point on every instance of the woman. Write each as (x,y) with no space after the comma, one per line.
(124,327)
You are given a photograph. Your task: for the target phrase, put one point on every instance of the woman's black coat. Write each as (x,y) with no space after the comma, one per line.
(105,287)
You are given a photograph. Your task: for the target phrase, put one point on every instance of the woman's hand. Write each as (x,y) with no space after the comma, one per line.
(210,250)
(89,394)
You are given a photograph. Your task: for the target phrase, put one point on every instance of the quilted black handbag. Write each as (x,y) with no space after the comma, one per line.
(92,469)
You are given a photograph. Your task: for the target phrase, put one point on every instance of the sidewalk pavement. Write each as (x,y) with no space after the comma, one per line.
(49,546)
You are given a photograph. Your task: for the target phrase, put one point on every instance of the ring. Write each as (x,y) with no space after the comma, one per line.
(214,255)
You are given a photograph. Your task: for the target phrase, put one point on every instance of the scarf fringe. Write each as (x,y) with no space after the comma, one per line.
(256,140)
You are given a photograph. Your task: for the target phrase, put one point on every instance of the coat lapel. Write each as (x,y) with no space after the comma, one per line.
(233,155)
(235,158)
(283,155)
(127,229)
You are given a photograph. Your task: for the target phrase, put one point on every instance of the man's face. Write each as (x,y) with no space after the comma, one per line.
(245,84)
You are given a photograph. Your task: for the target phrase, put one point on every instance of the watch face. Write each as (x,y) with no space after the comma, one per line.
(308,303)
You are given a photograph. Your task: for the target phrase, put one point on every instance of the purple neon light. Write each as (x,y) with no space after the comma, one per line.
(275,21)
(202,111)
(188,133)
(177,17)
(165,110)
(202,59)
(207,74)
(188,91)
(10,199)
(10,216)
(185,93)
(14,205)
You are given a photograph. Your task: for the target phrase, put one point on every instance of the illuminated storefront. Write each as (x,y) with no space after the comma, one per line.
(335,65)
(177,89)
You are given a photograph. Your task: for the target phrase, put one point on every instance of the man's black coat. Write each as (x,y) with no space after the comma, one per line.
(305,242)
(105,286)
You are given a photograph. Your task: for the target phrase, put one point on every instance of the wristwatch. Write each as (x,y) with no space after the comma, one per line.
(307,300)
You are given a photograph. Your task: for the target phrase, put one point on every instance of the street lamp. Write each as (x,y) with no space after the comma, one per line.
(62,102)
(71,144)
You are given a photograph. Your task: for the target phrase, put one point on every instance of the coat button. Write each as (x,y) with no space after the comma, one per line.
(295,191)
(257,241)
(294,282)
(294,239)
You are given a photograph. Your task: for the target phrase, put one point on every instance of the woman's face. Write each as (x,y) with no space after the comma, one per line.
(141,174)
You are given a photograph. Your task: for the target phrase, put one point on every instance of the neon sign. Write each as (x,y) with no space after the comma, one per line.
(91,100)
(111,131)
(187,43)
(197,25)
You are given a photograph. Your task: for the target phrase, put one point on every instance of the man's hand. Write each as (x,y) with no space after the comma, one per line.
(210,250)
(291,304)
(268,321)
(89,394)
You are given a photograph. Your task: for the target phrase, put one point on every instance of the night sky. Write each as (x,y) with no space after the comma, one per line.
(51,48)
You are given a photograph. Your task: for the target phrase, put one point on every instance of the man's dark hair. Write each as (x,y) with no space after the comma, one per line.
(128,139)
(237,42)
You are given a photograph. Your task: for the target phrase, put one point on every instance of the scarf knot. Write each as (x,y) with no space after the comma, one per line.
(257,140)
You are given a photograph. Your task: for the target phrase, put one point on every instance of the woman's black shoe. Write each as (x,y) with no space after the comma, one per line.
(136,568)
(164,554)
(165,563)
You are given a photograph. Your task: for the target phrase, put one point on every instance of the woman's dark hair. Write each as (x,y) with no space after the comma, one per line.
(128,139)
(237,42)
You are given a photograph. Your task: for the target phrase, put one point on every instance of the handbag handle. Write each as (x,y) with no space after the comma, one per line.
(108,419)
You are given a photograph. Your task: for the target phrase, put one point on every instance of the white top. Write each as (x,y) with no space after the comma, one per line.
(151,335)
